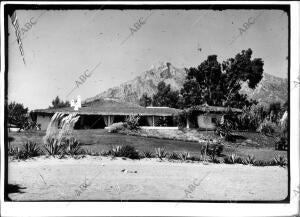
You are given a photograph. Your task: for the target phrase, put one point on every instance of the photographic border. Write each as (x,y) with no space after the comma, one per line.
(292,8)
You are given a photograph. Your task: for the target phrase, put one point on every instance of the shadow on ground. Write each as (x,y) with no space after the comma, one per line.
(13,188)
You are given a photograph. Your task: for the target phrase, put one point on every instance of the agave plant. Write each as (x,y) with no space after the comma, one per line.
(250,159)
(52,148)
(160,153)
(12,151)
(173,156)
(232,159)
(280,161)
(147,154)
(184,156)
(72,147)
(30,149)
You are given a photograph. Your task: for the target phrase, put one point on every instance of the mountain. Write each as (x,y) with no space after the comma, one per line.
(270,88)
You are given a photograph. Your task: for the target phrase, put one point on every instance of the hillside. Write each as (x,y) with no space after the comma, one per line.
(270,88)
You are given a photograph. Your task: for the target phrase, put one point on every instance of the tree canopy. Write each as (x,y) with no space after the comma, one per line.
(219,84)
(165,96)
(58,103)
(145,100)
(17,114)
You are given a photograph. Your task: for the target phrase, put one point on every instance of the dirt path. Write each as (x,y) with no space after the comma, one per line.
(100,178)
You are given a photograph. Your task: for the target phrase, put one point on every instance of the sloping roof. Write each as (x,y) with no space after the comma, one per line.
(112,107)
(213,109)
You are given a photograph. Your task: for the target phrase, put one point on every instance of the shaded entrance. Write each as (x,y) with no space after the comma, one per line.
(90,122)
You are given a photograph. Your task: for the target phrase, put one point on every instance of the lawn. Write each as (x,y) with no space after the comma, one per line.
(261,147)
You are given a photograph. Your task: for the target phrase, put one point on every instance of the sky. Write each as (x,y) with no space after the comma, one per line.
(84,52)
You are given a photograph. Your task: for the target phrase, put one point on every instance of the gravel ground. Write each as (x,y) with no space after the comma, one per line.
(103,178)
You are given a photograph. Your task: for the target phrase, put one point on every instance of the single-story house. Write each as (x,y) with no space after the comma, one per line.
(104,112)
(205,117)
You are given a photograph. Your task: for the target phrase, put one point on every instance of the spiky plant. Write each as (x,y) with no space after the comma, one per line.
(29,149)
(232,159)
(250,159)
(160,153)
(52,148)
(147,154)
(173,156)
(279,160)
(72,147)
(184,156)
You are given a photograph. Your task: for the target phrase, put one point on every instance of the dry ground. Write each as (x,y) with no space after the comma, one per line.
(53,179)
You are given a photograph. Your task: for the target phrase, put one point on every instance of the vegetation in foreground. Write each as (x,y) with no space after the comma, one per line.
(210,153)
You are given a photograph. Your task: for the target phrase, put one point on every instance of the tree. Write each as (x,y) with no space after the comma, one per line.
(145,100)
(58,103)
(165,96)
(17,114)
(219,84)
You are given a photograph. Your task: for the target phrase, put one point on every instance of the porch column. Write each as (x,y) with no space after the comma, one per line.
(187,124)
(153,120)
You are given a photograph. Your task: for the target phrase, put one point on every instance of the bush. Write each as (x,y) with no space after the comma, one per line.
(232,159)
(214,159)
(184,156)
(215,149)
(173,156)
(13,151)
(282,143)
(279,161)
(71,146)
(250,159)
(147,154)
(224,128)
(132,122)
(124,151)
(116,127)
(160,153)
(261,163)
(267,128)
(181,119)
(52,148)
(29,149)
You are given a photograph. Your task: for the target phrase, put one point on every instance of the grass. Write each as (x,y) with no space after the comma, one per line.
(98,141)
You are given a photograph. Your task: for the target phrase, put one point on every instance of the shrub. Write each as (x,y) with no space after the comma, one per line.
(160,153)
(214,159)
(72,147)
(162,122)
(282,143)
(181,119)
(116,127)
(184,156)
(29,149)
(224,128)
(173,156)
(124,151)
(250,159)
(52,148)
(260,163)
(267,128)
(215,149)
(147,154)
(279,161)
(132,122)
(232,159)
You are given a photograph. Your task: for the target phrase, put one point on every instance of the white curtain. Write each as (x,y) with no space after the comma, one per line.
(149,120)
(105,117)
(108,120)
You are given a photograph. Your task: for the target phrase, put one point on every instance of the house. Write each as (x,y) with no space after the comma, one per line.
(205,117)
(104,112)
